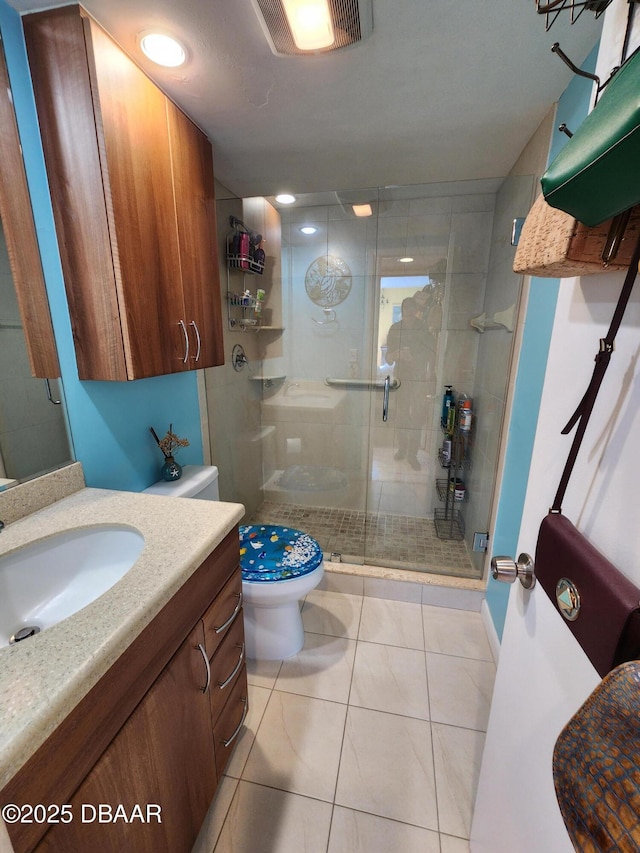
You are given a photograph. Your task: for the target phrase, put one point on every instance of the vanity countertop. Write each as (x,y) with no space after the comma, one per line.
(43,678)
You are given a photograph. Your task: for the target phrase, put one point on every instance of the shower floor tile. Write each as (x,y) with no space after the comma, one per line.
(389,540)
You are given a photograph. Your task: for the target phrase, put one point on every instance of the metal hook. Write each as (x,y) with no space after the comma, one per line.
(564,129)
(49,395)
(555,48)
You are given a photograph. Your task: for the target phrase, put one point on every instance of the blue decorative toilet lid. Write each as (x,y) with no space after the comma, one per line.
(269,552)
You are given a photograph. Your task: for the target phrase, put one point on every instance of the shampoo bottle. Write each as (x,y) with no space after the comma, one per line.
(447,403)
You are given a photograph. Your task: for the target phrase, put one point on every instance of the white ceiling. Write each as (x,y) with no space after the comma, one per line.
(440,91)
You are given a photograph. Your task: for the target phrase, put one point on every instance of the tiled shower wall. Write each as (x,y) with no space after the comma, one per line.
(494,355)
(232,397)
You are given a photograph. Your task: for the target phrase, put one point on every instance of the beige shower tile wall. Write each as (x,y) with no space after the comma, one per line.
(232,399)
(494,385)
(494,357)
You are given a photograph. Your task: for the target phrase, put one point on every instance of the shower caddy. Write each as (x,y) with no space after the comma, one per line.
(448,519)
(244,309)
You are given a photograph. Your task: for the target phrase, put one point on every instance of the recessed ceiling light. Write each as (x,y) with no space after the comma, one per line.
(362,209)
(285,198)
(405,260)
(308,229)
(162,49)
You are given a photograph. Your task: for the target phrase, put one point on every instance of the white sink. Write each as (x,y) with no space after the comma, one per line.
(50,579)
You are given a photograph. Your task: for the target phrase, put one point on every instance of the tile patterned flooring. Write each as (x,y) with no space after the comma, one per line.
(367,741)
(391,540)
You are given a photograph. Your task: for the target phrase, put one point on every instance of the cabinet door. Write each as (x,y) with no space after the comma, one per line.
(193,184)
(58,63)
(162,756)
(131,121)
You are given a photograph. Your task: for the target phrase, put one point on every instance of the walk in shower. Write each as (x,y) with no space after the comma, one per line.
(375,300)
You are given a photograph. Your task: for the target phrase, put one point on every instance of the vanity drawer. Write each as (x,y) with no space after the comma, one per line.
(229,726)
(219,617)
(227,665)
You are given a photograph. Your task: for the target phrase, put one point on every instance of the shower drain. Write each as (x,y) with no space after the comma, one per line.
(24,633)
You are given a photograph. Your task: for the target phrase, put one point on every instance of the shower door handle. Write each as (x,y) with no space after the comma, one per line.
(385,398)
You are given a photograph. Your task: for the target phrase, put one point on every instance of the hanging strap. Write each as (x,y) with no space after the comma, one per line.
(585,407)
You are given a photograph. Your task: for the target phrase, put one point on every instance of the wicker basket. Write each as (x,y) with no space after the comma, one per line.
(555,245)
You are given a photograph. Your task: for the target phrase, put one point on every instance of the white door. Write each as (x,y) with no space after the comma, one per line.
(543,675)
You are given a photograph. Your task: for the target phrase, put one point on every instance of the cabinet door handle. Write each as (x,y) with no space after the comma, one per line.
(233,615)
(186,341)
(223,684)
(196,357)
(206,663)
(228,742)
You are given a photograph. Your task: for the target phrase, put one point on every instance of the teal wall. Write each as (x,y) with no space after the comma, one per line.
(108,421)
(541,306)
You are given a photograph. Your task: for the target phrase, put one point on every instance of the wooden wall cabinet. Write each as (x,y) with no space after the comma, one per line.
(157,729)
(132,188)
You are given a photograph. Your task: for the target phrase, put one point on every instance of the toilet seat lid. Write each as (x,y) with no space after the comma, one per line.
(269,552)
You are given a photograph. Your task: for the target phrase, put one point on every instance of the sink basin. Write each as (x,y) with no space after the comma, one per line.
(50,579)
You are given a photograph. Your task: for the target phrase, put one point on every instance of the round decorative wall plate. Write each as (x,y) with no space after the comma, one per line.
(328,281)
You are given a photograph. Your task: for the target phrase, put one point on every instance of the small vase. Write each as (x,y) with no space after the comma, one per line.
(171,470)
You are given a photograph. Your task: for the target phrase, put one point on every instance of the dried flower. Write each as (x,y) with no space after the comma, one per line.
(170,442)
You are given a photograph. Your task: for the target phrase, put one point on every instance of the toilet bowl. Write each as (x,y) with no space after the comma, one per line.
(279,565)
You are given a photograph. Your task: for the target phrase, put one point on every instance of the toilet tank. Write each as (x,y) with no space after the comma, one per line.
(197,481)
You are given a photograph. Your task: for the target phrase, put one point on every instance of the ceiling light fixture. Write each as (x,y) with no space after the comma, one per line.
(405,260)
(308,229)
(310,23)
(162,49)
(299,27)
(362,209)
(285,198)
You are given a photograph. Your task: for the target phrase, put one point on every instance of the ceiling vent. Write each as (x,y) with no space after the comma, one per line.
(352,23)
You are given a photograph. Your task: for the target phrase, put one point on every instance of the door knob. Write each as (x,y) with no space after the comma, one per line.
(507,570)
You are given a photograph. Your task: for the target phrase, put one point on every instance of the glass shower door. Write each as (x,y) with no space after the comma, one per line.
(378,313)
(431,266)
(319,416)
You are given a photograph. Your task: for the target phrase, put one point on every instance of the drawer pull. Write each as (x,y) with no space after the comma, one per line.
(233,615)
(206,663)
(223,684)
(227,743)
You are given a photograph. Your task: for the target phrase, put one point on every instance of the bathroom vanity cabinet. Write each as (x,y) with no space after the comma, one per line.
(155,732)
(132,187)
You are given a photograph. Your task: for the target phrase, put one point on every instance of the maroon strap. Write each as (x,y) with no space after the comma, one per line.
(585,407)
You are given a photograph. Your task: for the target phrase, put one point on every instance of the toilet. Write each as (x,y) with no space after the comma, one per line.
(280,565)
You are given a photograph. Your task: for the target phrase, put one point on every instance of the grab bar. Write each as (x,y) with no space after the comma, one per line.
(394,384)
